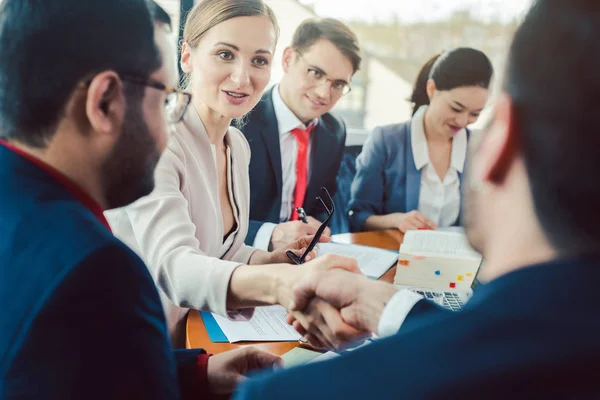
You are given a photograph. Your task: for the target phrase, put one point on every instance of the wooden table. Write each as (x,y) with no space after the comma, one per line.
(197,337)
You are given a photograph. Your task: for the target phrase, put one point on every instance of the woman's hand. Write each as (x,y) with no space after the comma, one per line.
(412,220)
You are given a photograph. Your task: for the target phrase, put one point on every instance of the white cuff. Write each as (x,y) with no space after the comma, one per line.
(395,312)
(263,236)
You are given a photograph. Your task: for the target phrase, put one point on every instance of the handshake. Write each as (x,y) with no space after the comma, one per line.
(334,304)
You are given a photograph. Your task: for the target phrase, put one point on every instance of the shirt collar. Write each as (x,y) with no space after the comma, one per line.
(286,119)
(74,189)
(419,143)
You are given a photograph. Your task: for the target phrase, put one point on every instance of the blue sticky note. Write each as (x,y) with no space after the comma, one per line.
(438,272)
(215,333)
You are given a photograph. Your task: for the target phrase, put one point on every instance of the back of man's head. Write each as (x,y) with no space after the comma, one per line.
(48,47)
(553,79)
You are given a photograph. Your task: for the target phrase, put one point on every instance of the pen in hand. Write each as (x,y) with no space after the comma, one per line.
(302,214)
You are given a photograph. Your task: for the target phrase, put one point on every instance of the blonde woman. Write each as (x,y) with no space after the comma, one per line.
(190,231)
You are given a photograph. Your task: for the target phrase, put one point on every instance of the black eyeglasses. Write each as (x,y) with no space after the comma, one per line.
(330,209)
(318,77)
(177,100)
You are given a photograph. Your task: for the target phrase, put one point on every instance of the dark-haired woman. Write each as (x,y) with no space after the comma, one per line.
(409,175)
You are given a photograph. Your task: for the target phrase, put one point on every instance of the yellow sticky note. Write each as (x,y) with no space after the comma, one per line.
(459,278)
(469,274)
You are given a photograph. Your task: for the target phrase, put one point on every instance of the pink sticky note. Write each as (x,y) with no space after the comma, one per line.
(418,258)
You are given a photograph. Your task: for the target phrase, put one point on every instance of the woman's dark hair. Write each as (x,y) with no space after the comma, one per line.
(460,67)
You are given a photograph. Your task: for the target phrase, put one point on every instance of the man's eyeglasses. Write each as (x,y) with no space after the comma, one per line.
(318,77)
(330,209)
(177,100)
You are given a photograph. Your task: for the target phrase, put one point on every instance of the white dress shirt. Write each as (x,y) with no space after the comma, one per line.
(395,312)
(286,122)
(439,200)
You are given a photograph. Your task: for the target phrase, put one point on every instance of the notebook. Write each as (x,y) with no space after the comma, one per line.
(437,260)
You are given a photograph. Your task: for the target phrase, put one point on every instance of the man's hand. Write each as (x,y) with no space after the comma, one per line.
(298,247)
(359,299)
(288,276)
(322,325)
(288,232)
(227,370)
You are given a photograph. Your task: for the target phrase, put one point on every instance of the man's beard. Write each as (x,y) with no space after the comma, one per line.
(128,173)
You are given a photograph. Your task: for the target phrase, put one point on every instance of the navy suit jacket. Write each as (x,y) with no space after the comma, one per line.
(80,316)
(387,180)
(531,334)
(328,140)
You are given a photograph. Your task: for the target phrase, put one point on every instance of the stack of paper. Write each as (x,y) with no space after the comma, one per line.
(372,262)
(267,325)
(437,260)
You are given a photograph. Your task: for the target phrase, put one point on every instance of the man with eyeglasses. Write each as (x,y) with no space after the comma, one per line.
(296,144)
(81,130)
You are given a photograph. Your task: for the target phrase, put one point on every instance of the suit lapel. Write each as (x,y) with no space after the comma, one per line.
(320,145)
(413,176)
(270,135)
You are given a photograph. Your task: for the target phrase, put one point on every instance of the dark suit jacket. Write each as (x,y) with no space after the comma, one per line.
(328,140)
(531,334)
(80,316)
(387,180)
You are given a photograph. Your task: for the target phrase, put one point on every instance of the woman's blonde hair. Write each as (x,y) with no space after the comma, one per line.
(210,13)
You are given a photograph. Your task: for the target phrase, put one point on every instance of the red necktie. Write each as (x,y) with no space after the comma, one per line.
(302,137)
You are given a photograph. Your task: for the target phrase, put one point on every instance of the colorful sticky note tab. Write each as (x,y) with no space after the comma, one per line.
(469,274)
(459,278)
(404,262)
(438,272)
(418,258)
(452,285)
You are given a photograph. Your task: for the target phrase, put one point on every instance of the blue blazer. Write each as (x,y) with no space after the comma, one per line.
(531,334)
(80,316)
(328,141)
(387,180)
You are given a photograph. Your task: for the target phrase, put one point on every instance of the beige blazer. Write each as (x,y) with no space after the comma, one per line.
(178,229)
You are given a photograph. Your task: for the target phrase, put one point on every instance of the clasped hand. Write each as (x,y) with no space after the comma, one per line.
(335,307)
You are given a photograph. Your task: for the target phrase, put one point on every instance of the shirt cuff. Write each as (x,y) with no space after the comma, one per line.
(202,374)
(263,236)
(395,312)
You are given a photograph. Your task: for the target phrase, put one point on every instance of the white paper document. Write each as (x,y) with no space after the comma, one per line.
(268,325)
(372,262)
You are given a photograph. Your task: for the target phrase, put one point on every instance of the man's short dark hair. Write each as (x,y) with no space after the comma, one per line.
(48,47)
(311,30)
(553,78)
(160,15)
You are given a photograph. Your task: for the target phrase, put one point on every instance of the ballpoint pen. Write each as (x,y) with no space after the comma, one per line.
(302,214)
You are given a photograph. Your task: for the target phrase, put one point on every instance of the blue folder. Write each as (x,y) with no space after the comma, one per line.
(215,333)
